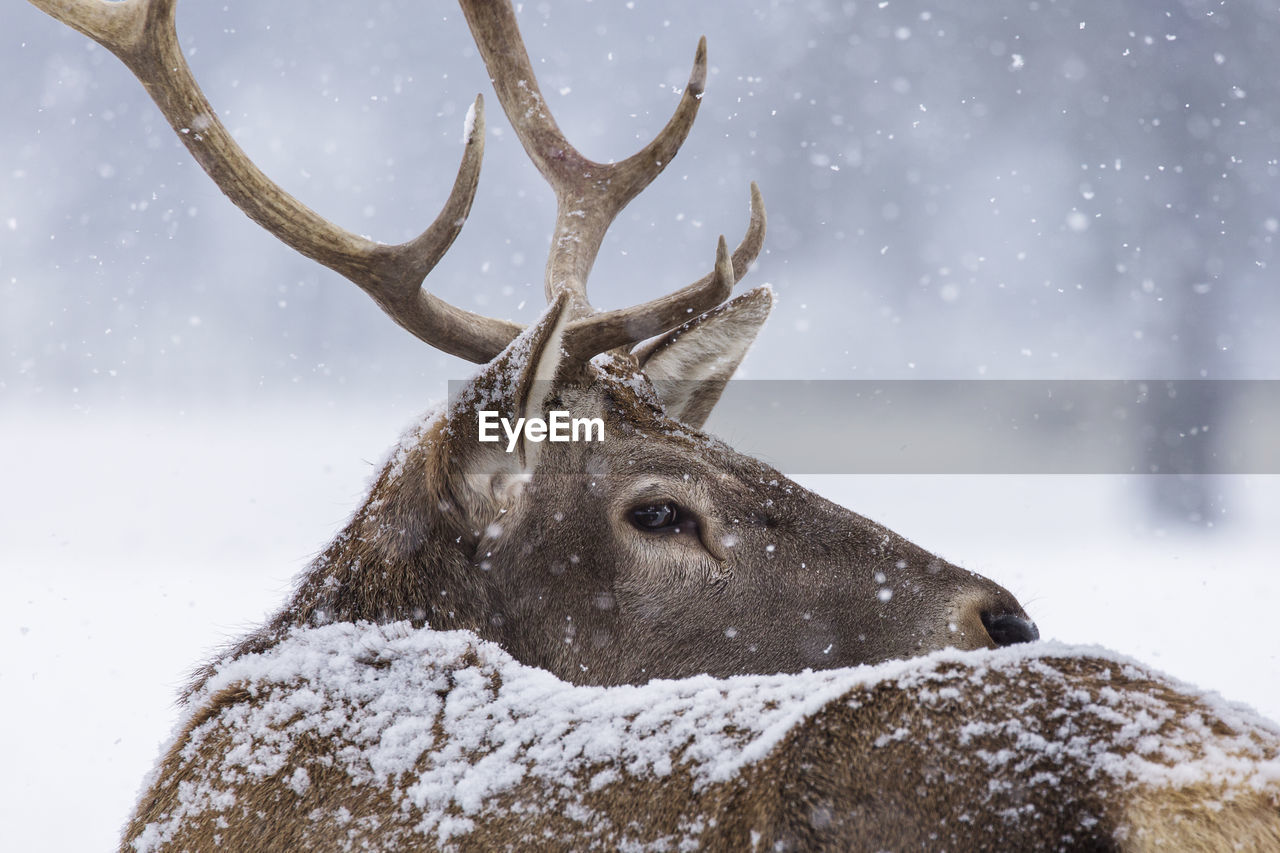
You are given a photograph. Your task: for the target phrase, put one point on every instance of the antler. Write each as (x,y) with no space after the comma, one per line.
(590,195)
(142,34)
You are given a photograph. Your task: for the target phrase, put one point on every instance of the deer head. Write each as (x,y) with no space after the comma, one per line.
(655,552)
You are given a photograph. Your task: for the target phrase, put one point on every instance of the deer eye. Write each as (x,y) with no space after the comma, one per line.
(661,516)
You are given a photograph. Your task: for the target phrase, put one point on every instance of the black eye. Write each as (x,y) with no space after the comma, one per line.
(655,516)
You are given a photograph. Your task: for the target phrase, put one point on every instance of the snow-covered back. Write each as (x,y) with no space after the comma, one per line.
(450,723)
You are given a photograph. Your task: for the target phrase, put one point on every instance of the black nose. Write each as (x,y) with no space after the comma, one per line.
(1007,629)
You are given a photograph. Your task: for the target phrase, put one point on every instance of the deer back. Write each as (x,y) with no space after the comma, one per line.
(386,736)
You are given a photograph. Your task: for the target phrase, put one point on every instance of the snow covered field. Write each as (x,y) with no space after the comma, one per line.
(132,545)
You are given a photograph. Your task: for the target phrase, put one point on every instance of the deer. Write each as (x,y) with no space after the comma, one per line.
(649,640)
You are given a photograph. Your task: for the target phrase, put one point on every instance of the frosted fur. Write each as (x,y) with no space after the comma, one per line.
(448,723)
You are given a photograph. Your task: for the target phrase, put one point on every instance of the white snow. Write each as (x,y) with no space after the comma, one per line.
(530,724)
(469,124)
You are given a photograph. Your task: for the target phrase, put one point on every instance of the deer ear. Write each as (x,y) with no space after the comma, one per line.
(542,367)
(515,385)
(689,366)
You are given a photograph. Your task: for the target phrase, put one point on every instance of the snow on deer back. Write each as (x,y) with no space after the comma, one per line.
(389,737)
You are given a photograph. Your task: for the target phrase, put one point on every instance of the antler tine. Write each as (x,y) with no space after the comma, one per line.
(143,35)
(612,329)
(589,195)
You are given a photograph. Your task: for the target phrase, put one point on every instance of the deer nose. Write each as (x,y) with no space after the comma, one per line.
(1007,629)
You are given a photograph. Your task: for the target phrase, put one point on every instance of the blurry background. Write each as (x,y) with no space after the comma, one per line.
(1026,189)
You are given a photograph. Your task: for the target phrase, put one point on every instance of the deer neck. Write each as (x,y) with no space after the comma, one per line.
(407,554)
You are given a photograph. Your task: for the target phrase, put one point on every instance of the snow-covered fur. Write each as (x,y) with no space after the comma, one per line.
(390,737)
